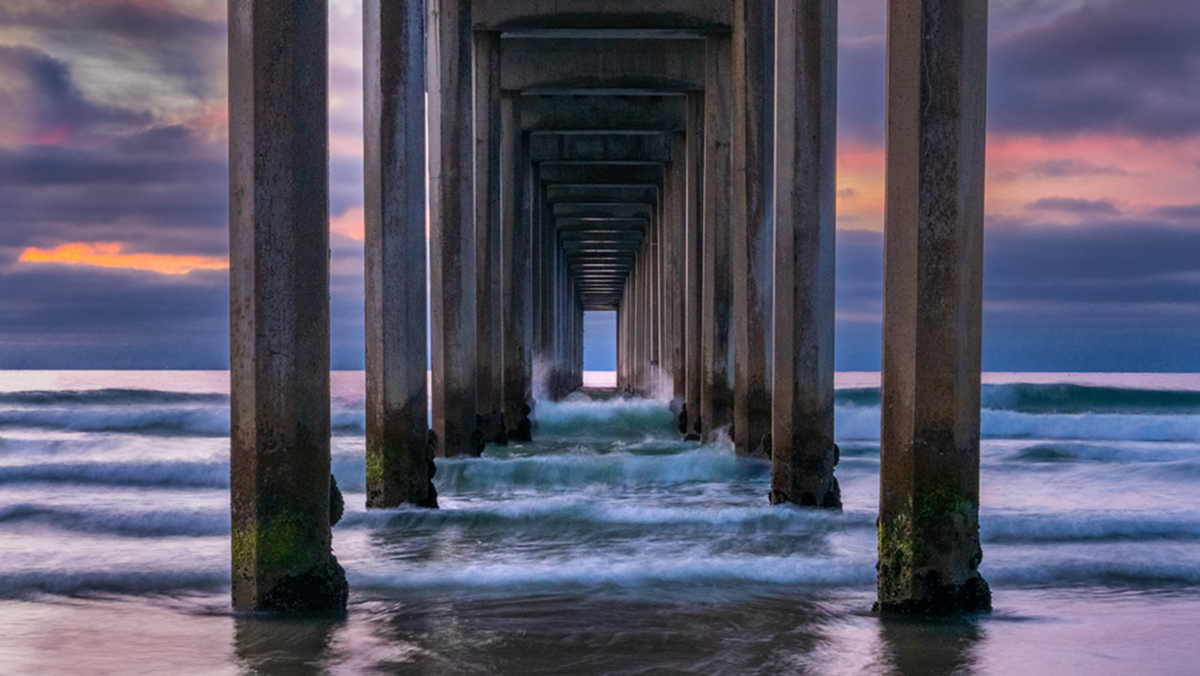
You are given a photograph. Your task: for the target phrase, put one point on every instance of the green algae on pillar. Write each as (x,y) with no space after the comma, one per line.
(929,550)
(282,558)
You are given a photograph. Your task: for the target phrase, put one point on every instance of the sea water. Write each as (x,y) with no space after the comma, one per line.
(607,546)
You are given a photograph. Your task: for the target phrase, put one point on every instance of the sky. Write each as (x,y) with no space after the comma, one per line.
(114,180)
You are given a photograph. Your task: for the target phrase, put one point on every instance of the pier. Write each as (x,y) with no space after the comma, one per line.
(672,161)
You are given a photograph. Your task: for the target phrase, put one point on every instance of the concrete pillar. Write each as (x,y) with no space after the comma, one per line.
(516,289)
(750,227)
(674,268)
(716,395)
(489,372)
(655,297)
(622,378)
(399,462)
(929,549)
(452,226)
(803,454)
(694,255)
(279,308)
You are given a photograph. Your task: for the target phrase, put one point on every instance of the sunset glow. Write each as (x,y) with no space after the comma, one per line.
(349,224)
(108,255)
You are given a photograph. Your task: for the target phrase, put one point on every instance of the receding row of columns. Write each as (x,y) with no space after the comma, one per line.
(701,210)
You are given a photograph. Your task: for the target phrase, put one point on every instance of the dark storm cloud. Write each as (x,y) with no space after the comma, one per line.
(1130,67)
(79,317)
(180,46)
(1126,66)
(1122,296)
(165,188)
(1074,205)
(40,90)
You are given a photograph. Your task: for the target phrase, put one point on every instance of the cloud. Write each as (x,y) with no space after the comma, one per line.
(1179,212)
(108,255)
(1123,296)
(349,224)
(87,317)
(1074,167)
(1124,66)
(1074,205)
(40,104)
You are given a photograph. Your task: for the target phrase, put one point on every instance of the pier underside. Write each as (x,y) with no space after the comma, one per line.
(671,161)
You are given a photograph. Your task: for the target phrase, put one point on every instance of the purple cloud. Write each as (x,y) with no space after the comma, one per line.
(1074,205)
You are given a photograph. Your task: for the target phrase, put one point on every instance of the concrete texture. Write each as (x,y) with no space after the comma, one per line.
(279,309)
(749,225)
(929,549)
(489,347)
(803,454)
(399,469)
(452,226)
(716,392)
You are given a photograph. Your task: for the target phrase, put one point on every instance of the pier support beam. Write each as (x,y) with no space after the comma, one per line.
(929,549)
(399,459)
(674,267)
(802,453)
(517,270)
(279,308)
(749,246)
(452,226)
(694,254)
(716,394)
(489,342)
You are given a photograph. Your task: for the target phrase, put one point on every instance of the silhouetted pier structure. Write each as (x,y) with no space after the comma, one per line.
(672,160)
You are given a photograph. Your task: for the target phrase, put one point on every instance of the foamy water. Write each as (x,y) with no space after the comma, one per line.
(607,546)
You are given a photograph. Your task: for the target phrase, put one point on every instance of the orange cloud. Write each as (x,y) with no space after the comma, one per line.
(349,224)
(108,255)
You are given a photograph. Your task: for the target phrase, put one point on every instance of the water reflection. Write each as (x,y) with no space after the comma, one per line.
(930,647)
(284,646)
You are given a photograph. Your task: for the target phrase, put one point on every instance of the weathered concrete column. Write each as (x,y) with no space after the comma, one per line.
(279,308)
(694,245)
(674,267)
(803,454)
(749,246)
(622,359)
(929,550)
(716,394)
(516,288)
(399,462)
(654,299)
(489,372)
(452,226)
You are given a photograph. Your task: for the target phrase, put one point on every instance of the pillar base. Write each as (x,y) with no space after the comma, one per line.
(322,588)
(939,600)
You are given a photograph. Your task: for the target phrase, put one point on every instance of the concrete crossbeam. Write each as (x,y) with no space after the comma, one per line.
(600,146)
(591,110)
(557,64)
(602,14)
(601,172)
(646,193)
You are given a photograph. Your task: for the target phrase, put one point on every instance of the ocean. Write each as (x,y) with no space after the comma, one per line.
(608,546)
